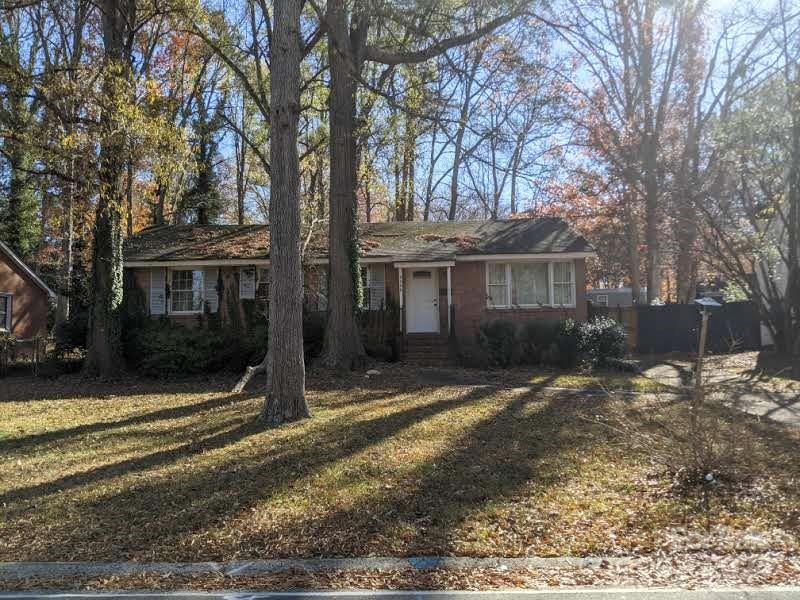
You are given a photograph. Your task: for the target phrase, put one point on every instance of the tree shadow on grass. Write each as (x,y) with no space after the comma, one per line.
(522,449)
(76,386)
(166,414)
(152,517)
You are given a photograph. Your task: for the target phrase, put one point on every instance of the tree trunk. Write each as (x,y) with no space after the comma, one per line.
(68,236)
(285,399)
(426,211)
(515,161)
(104,353)
(791,304)
(462,129)
(129,193)
(633,246)
(241,168)
(343,348)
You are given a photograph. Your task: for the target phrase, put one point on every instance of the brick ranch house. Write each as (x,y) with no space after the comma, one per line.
(24,298)
(444,277)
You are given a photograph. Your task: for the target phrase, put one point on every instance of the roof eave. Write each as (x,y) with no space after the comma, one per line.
(18,261)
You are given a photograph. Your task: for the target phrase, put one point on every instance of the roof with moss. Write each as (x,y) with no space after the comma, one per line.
(398,241)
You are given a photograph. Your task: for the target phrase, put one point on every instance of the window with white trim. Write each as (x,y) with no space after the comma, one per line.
(186,291)
(247,283)
(5,312)
(262,284)
(530,284)
(563,284)
(602,299)
(497,285)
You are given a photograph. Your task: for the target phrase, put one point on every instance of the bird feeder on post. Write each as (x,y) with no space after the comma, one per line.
(707,305)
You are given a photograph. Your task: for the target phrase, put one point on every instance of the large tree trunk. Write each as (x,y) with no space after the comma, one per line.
(633,246)
(791,305)
(104,353)
(462,129)
(343,347)
(286,399)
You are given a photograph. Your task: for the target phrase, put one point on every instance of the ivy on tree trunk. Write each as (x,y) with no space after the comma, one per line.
(104,352)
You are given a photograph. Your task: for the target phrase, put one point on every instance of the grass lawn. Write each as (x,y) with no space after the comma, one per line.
(612,382)
(150,470)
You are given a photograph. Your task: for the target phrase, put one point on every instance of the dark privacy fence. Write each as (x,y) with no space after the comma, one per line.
(676,327)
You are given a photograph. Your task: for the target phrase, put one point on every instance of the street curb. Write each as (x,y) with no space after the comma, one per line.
(25,570)
(594,593)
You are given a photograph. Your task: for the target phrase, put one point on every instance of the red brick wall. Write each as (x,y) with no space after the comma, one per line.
(468,293)
(29,304)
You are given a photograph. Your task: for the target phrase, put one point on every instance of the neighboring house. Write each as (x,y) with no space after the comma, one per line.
(24,298)
(614,297)
(444,277)
(774,264)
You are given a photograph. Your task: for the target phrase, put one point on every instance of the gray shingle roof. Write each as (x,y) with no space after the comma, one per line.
(400,241)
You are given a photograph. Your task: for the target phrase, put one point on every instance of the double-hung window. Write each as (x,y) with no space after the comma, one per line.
(186,291)
(530,284)
(563,284)
(498,285)
(5,312)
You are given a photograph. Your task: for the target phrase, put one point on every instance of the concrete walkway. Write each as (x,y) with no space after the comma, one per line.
(738,392)
(787,593)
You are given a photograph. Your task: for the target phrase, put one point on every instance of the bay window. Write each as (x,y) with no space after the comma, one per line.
(530,284)
(186,291)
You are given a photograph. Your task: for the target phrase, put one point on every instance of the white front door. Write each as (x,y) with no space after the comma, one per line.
(422,302)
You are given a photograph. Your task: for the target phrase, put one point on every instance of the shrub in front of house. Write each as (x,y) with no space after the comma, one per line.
(538,339)
(161,348)
(71,334)
(498,339)
(562,344)
(603,341)
(568,343)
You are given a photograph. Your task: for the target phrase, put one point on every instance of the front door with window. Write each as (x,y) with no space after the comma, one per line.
(422,302)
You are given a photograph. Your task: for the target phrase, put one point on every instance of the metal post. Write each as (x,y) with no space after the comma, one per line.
(698,378)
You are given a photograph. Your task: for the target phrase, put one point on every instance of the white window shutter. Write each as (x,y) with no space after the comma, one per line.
(247,283)
(158,296)
(210,288)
